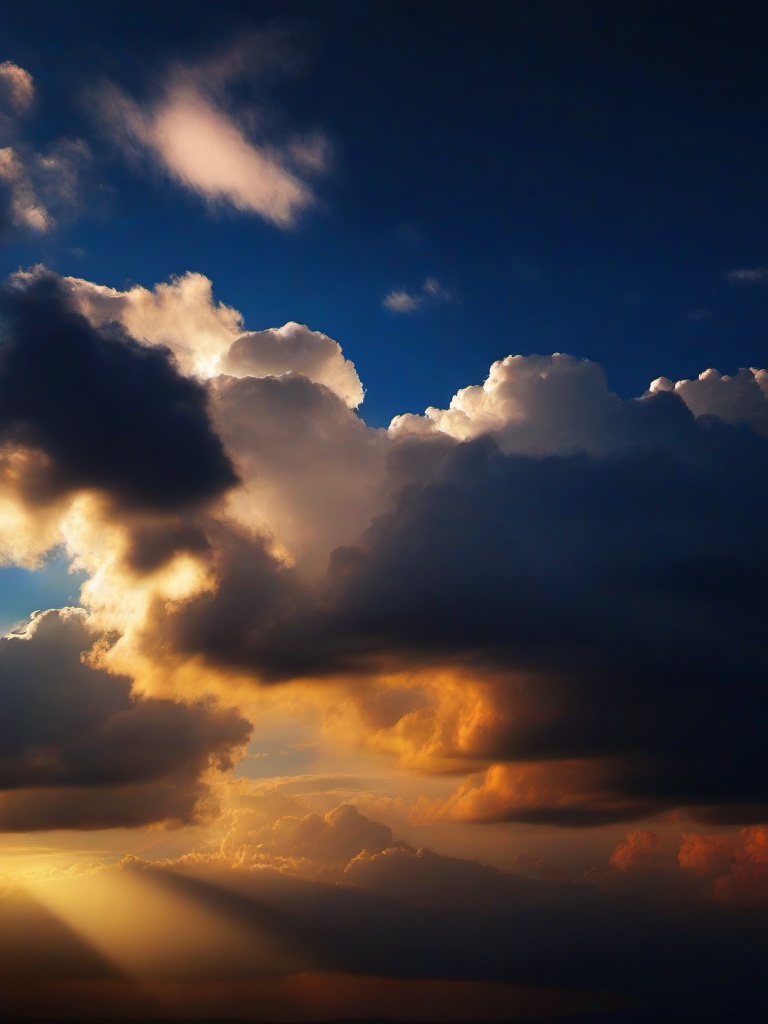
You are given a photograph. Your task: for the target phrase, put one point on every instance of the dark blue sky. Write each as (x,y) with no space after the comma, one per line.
(579,176)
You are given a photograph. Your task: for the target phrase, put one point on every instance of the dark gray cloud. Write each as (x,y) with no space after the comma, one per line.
(107,413)
(612,601)
(80,750)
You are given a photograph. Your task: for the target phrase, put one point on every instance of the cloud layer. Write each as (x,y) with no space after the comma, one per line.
(556,590)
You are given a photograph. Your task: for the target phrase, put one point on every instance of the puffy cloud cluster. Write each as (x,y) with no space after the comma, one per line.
(723,867)
(192,133)
(543,580)
(81,750)
(733,867)
(35,187)
(105,412)
(294,348)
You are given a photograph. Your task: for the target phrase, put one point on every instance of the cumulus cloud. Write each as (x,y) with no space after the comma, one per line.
(80,750)
(102,411)
(543,581)
(733,867)
(180,315)
(190,131)
(747,275)
(400,300)
(740,398)
(294,348)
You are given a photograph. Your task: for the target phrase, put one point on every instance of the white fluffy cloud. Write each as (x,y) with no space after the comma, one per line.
(294,347)
(741,398)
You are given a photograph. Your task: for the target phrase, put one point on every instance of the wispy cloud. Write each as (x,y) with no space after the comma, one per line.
(747,275)
(17,89)
(35,187)
(204,145)
(400,300)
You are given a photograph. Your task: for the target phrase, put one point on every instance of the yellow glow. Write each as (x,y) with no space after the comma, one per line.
(151,929)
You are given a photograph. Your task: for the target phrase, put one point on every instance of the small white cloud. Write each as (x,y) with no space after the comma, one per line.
(747,275)
(17,89)
(201,144)
(433,288)
(402,301)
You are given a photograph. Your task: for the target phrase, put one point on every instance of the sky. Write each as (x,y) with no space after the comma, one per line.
(383,480)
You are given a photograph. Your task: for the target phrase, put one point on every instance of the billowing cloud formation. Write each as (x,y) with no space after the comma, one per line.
(193,136)
(180,315)
(294,347)
(543,581)
(35,187)
(79,750)
(100,410)
(737,399)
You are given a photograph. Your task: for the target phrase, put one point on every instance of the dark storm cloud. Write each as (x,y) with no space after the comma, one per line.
(79,750)
(612,602)
(108,413)
(628,589)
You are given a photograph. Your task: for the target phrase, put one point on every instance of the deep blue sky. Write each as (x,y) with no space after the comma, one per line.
(579,175)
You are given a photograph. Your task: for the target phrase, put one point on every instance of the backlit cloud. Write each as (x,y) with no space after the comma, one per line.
(554,589)
(17,88)
(195,136)
(79,750)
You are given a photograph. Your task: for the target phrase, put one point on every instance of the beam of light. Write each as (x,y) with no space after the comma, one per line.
(152,932)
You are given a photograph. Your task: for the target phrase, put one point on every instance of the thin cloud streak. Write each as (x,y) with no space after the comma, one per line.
(747,275)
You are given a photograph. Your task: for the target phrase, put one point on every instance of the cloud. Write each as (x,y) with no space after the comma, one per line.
(180,315)
(17,88)
(734,867)
(105,412)
(747,275)
(294,348)
(543,583)
(80,750)
(191,134)
(740,398)
(402,301)
(413,914)
(36,188)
